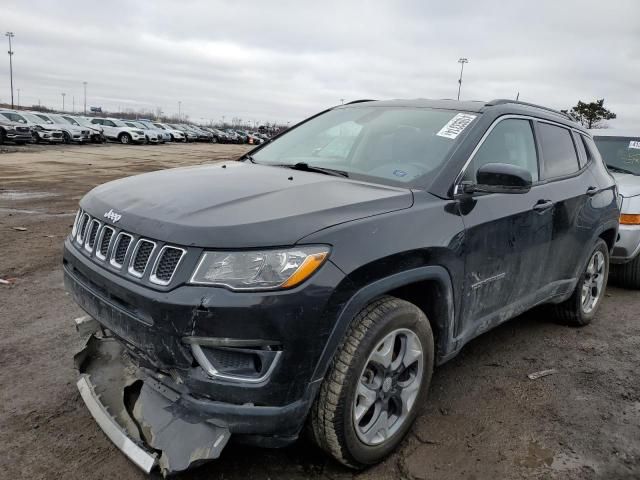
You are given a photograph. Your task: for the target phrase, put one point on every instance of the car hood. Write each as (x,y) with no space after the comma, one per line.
(238,205)
(628,184)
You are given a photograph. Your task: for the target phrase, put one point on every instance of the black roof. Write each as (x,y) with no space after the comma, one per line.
(506,106)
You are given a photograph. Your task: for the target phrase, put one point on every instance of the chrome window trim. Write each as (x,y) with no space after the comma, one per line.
(153,277)
(99,256)
(210,370)
(87,247)
(460,175)
(79,236)
(112,259)
(132,258)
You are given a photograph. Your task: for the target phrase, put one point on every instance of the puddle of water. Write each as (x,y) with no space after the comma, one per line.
(18,195)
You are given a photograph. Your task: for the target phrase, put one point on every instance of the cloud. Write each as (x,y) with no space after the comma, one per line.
(285,60)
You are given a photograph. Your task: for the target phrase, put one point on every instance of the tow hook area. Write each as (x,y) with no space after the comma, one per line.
(140,415)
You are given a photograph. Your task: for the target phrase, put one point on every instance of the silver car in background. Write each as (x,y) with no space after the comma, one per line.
(71,133)
(620,151)
(163,135)
(42,132)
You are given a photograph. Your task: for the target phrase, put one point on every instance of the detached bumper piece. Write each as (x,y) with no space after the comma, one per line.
(141,416)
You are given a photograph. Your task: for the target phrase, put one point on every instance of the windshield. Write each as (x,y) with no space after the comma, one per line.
(58,119)
(14,117)
(393,143)
(71,121)
(621,153)
(46,119)
(159,126)
(34,118)
(118,123)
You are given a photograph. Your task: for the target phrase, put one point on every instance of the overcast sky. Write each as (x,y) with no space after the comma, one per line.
(284,60)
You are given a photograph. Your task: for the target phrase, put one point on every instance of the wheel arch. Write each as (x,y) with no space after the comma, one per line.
(430,288)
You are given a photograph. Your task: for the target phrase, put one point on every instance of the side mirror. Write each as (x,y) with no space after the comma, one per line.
(500,178)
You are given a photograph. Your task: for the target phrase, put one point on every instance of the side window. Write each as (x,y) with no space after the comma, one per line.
(108,123)
(590,148)
(96,121)
(558,151)
(583,156)
(511,141)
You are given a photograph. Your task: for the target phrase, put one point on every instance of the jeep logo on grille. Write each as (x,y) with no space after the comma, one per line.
(113,216)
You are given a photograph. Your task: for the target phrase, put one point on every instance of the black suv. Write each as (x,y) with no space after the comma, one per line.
(321,278)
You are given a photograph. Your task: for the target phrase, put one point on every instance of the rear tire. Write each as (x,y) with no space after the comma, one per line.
(627,274)
(583,305)
(364,408)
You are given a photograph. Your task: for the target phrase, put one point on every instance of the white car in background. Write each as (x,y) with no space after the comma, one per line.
(152,136)
(70,132)
(620,150)
(175,134)
(162,134)
(41,131)
(118,131)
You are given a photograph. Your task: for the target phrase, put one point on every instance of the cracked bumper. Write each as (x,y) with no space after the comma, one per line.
(140,415)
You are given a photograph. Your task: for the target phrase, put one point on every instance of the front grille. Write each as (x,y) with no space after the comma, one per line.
(166,265)
(94,226)
(82,228)
(56,134)
(105,241)
(140,257)
(102,241)
(122,246)
(22,129)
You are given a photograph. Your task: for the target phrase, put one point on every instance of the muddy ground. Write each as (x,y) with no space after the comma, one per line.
(484,420)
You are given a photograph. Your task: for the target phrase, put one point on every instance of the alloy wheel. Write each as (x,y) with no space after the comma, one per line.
(593,282)
(388,386)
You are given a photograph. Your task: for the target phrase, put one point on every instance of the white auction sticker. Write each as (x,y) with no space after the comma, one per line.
(634,144)
(456,125)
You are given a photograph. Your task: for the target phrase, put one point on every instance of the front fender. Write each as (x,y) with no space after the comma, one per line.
(376,289)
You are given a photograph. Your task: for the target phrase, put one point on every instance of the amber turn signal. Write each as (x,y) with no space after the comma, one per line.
(630,219)
(310,265)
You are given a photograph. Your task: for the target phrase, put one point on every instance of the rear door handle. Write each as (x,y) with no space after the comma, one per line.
(591,191)
(543,205)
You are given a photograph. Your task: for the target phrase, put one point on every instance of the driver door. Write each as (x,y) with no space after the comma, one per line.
(507,235)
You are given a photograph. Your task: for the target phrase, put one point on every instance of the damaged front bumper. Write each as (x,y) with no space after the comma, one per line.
(142,416)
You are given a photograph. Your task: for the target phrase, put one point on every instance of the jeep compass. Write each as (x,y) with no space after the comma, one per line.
(316,283)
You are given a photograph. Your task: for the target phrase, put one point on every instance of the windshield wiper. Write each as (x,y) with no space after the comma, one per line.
(305,167)
(621,170)
(248,157)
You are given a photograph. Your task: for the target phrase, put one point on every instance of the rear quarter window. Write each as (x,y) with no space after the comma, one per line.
(558,151)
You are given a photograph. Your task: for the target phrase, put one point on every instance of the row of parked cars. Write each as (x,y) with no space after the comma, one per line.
(22,127)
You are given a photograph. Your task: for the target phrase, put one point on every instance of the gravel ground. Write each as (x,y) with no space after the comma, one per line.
(485,419)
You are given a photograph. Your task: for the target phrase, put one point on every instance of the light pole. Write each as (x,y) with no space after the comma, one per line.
(85,97)
(179,110)
(461,61)
(18,97)
(10,35)
(73,104)
(63,95)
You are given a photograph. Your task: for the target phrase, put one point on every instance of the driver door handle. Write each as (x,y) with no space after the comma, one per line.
(591,191)
(543,205)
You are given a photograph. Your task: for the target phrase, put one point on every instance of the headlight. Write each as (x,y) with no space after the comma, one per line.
(259,269)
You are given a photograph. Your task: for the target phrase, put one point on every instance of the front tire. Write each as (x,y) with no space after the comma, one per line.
(125,138)
(583,305)
(376,384)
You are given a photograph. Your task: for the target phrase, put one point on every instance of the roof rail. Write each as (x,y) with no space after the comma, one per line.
(360,101)
(502,101)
